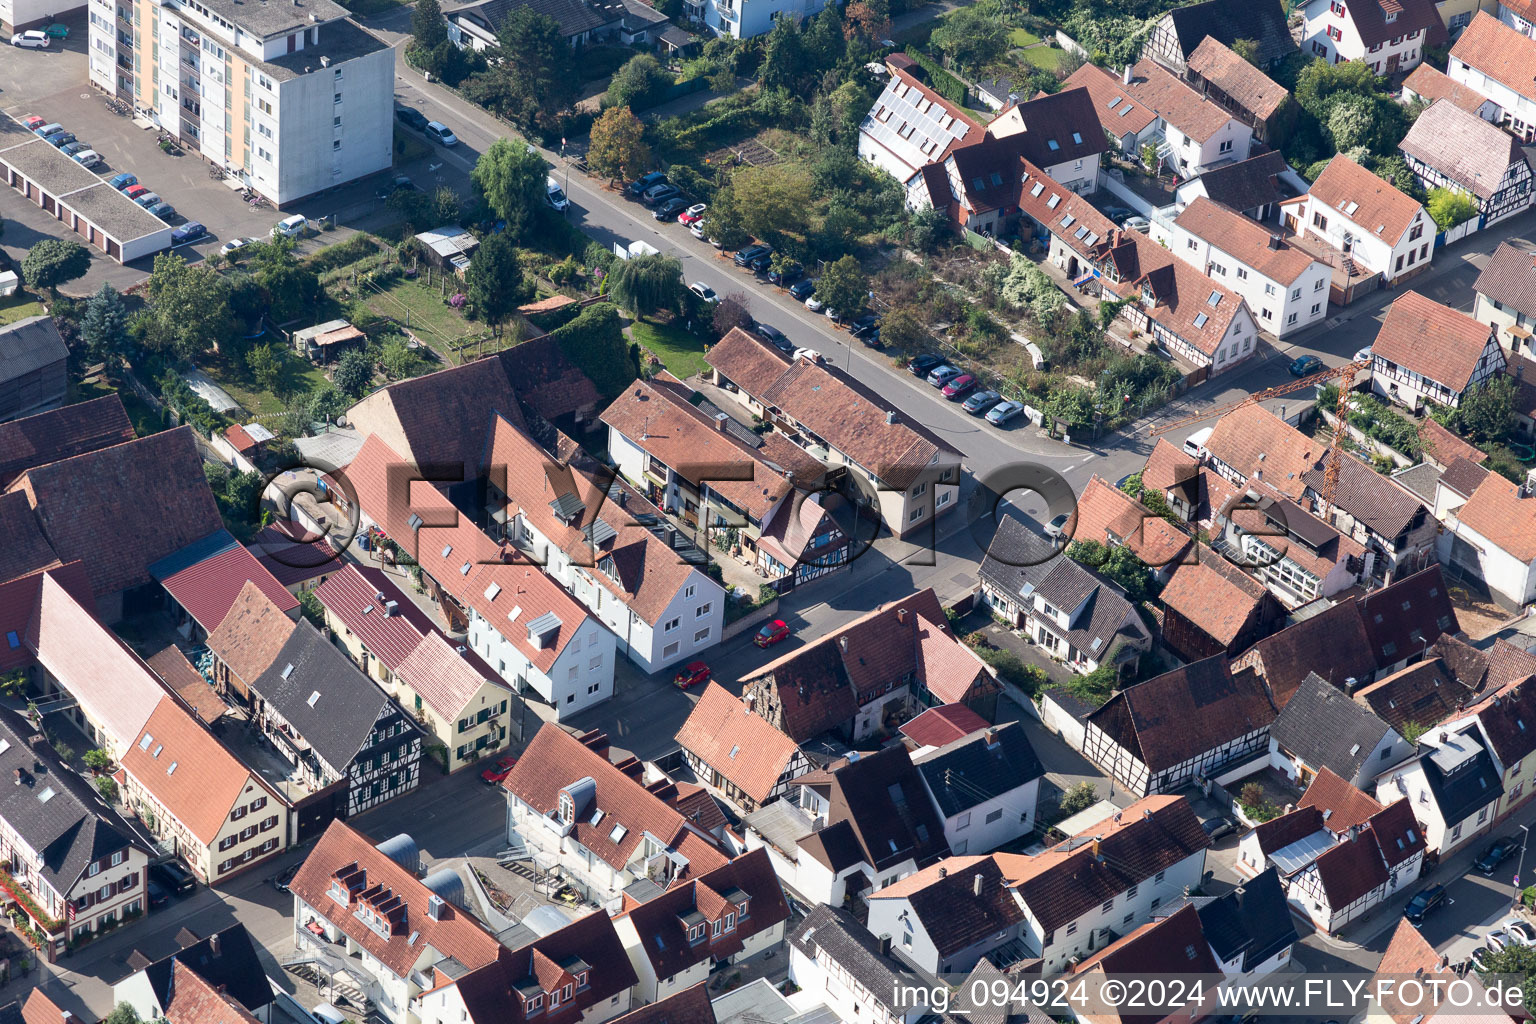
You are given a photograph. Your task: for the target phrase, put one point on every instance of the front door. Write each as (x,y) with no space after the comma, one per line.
(1392,63)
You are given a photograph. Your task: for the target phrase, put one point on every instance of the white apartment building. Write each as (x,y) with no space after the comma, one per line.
(1198,134)
(1491,57)
(1286,289)
(1388,37)
(744,19)
(293,99)
(1377,226)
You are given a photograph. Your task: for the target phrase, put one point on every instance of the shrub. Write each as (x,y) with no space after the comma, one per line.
(1251,795)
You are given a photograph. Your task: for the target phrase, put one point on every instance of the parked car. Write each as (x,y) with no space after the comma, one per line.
(123,180)
(1196,441)
(697,230)
(943,374)
(411,118)
(980,402)
(813,304)
(774,337)
(234,245)
(325,1013)
(752,252)
(191,231)
(923,365)
(658,194)
(1118,213)
(1498,852)
(1058,524)
(148,199)
(1498,940)
(1137,224)
(284,878)
(1478,958)
(555,196)
(960,386)
(1004,412)
(1306,366)
(1423,902)
(866,324)
(176,878)
(638,187)
(790,273)
(498,772)
(1363,356)
(802,290)
(671,208)
(86,158)
(691,674)
(42,131)
(290,227)
(692,215)
(71,148)
(134,191)
(704,292)
(165,211)
(32,122)
(1521,932)
(59,139)
(440,132)
(772,633)
(761,263)
(158,897)
(1217,828)
(32,39)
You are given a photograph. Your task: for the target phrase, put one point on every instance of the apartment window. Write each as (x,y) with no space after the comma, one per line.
(570,674)
(1295,294)
(688,592)
(269,823)
(94,869)
(335,144)
(1319,49)
(237,813)
(1399,265)
(994,816)
(1320,283)
(1337,8)
(915,515)
(1319,221)
(264,106)
(1291,319)
(117,858)
(1159,879)
(670,625)
(1192,243)
(596,662)
(1242,273)
(1335,33)
(1109,905)
(702,610)
(1269,289)
(1072,928)
(920,490)
(337,98)
(336,122)
(1225,147)
(701,636)
(1316,307)
(227,842)
(1416,232)
(669,650)
(594,688)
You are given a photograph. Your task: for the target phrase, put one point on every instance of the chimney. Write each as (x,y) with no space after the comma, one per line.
(1093,848)
(885,945)
(976,884)
(842,642)
(1125,79)
(901,616)
(721,419)
(890,416)
(1274,241)
(435,907)
(943,872)
(213,944)
(391,608)
(991,738)
(325,62)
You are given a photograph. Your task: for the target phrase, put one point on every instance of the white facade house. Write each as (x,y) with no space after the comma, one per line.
(1198,134)
(1489,58)
(1490,534)
(293,101)
(985,786)
(910,125)
(1453,787)
(746,19)
(1286,288)
(580,676)
(833,957)
(1361,215)
(1387,38)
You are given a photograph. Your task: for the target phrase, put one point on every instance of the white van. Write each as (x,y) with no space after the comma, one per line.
(325,1013)
(555,195)
(1194,444)
(290,227)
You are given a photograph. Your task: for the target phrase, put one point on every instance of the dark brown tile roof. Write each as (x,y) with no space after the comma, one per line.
(1219,604)
(1346,805)
(1350,869)
(945,899)
(148,499)
(1406,617)
(1444,447)
(1383,210)
(1184,713)
(493,994)
(1249,87)
(1248,184)
(751,364)
(881,795)
(1175,944)
(1381,504)
(546,380)
(1397,832)
(663,933)
(1229,21)
(1278,833)
(1462,146)
(1498,51)
(1370,20)
(739,745)
(177,672)
(1176,103)
(1509,719)
(251,635)
(61,434)
(1424,694)
(689,1006)
(1463,476)
(23,548)
(1333,643)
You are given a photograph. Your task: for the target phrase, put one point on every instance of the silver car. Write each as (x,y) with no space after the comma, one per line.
(1004,412)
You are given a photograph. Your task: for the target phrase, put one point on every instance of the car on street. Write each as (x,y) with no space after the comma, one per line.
(441,133)
(191,231)
(1496,853)
(234,245)
(802,289)
(59,139)
(960,386)
(399,183)
(284,878)
(325,1013)
(980,402)
(42,131)
(1424,901)
(704,292)
(290,227)
(1057,525)
(771,633)
(638,187)
(176,878)
(923,365)
(692,215)
(788,274)
(1306,366)
(134,191)
(158,897)
(866,324)
(1362,356)
(745,256)
(32,39)
(86,158)
(1218,828)
(498,772)
(775,337)
(658,194)
(165,211)
(147,199)
(698,230)
(32,122)
(123,180)
(691,674)
(670,209)
(1004,412)
(943,374)
(411,118)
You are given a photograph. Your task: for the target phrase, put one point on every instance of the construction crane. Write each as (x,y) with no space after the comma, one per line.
(1346,375)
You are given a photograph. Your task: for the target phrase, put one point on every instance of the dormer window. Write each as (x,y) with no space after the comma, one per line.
(716,932)
(554,999)
(696,933)
(566,993)
(741,909)
(532,1003)
(730,922)
(581,980)
(567,808)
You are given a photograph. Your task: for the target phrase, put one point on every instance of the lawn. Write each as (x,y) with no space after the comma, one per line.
(421,308)
(299,375)
(1022,37)
(1047,58)
(19,307)
(680,351)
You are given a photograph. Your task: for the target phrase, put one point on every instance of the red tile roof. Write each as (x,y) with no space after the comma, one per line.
(194,1001)
(118,533)
(251,635)
(177,672)
(61,434)
(209,587)
(389,634)
(1169,468)
(239,439)
(1432,339)
(447,676)
(1175,945)
(548,382)
(1175,102)
(1251,88)
(555,760)
(1119,115)
(943,724)
(1348,805)
(1243,238)
(1497,512)
(689,1006)
(1441,445)
(1181,291)
(1382,210)
(1498,51)
(39,1009)
(1218,604)
(344,856)
(1430,83)
(744,749)
(1409,953)
(1108,515)
(1252,440)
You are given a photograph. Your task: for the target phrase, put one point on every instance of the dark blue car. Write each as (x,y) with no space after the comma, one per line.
(1306,366)
(122,181)
(191,231)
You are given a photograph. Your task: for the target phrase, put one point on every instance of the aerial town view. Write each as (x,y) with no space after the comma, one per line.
(767,511)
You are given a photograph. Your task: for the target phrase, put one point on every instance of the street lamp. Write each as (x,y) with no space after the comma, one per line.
(1526,838)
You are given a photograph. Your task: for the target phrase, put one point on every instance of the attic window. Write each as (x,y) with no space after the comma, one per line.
(1519,721)
(1080,232)
(1053,144)
(1098,642)
(158,747)
(45,795)
(893,844)
(464,569)
(1354,750)
(735,750)
(146,741)
(414,522)
(1407,605)
(1214,300)
(172,769)
(1114,102)
(312,698)
(1412,837)
(1066,221)
(491,591)
(1189,952)
(447,550)
(1349,211)
(1077,138)
(1039,187)
(997,179)
(1200,320)
(897,795)
(1389,648)
(618,833)
(288,670)
(1053,202)
(12,640)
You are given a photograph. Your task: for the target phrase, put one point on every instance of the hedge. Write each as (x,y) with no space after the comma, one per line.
(941,81)
(594,341)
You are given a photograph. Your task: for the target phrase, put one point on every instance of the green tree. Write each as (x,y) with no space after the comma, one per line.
(926,227)
(104,326)
(786,65)
(1487,412)
(1519,961)
(867,20)
(540,76)
(447,207)
(640,82)
(971,37)
(97,760)
(618,148)
(427,26)
(513,180)
(773,198)
(1077,798)
(1450,207)
(647,285)
(1132,485)
(325,403)
(1320,81)
(398,359)
(1248,49)
(312,608)
(53,261)
(353,374)
(189,307)
(1350,121)
(902,329)
(107,787)
(265,365)
(1394,170)
(123,1013)
(292,287)
(724,222)
(843,286)
(494,282)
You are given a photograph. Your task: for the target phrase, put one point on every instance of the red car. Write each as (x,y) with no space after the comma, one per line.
(959,386)
(134,191)
(498,772)
(692,674)
(692,215)
(33,122)
(771,634)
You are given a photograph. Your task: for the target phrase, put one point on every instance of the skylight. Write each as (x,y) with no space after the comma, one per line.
(735,750)
(45,795)
(172,769)
(1077,138)
(447,550)
(1039,187)
(464,569)
(1126,109)
(514,613)
(1080,232)
(618,833)
(491,591)
(288,670)
(313,698)
(1068,220)
(1349,211)
(367,609)
(158,747)
(597,816)
(1115,102)
(1214,300)
(1200,320)
(1053,202)
(1053,144)
(414,522)
(146,741)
